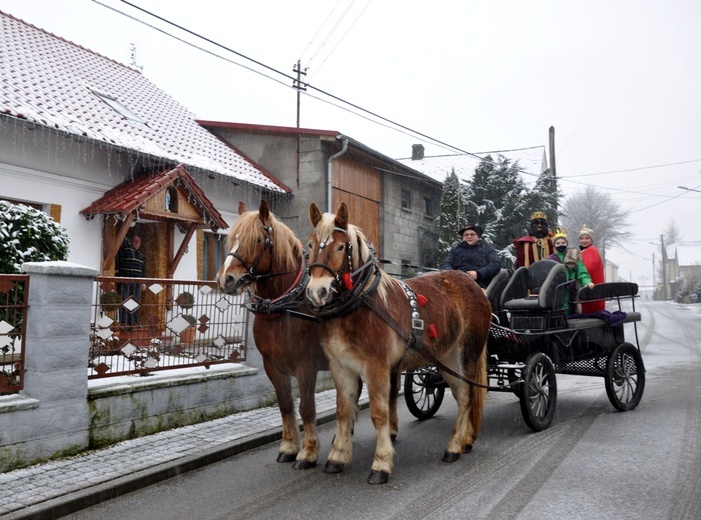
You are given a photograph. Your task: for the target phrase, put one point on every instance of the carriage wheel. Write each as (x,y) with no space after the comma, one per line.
(539,392)
(625,377)
(424,389)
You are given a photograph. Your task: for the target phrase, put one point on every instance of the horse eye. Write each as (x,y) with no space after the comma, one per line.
(309,245)
(340,248)
(260,240)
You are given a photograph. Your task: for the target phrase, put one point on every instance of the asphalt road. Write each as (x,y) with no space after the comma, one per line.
(593,461)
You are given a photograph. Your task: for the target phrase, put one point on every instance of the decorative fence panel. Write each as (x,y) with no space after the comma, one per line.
(14,292)
(141,325)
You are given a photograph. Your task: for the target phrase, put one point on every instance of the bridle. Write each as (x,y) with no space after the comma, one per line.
(349,297)
(250,275)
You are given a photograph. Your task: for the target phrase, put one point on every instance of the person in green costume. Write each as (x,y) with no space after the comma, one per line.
(575,270)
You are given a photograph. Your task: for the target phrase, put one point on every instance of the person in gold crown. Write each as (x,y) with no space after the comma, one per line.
(575,271)
(537,245)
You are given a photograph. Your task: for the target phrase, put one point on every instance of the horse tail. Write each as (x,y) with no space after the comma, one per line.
(478,395)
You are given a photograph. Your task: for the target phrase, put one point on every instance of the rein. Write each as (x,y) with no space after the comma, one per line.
(415,340)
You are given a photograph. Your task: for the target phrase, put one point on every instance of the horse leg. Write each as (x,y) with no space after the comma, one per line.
(395,380)
(379,383)
(461,438)
(347,389)
(308,455)
(289,447)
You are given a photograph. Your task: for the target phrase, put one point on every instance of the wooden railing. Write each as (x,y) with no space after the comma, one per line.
(14,292)
(142,325)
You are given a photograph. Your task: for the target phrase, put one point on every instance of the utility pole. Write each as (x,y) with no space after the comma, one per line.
(299,86)
(664,269)
(553,170)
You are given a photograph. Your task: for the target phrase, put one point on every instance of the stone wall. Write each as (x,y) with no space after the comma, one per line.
(61,413)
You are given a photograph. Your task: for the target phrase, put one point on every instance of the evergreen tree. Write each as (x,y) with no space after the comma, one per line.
(452,214)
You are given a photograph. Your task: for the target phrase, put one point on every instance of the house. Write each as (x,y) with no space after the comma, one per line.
(105,152)
(683,270)
(395,205)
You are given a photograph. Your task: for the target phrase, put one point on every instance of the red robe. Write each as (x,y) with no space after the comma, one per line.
(592,261)
(530,250)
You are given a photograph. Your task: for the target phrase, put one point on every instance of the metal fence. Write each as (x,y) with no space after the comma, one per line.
(14,292)
(142,325)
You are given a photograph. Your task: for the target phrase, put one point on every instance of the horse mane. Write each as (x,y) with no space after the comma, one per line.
(361,248)
(287,248)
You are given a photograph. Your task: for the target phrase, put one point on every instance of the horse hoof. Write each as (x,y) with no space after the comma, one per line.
(467,448)
(286,457)
(304,464)
(332,467)
(378,477)
(450,457)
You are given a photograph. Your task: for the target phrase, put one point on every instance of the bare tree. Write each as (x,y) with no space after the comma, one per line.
(599,213)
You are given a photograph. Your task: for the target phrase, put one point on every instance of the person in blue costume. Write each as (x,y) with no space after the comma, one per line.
(474,256)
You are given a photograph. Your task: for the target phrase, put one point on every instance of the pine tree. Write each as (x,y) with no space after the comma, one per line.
(452,213)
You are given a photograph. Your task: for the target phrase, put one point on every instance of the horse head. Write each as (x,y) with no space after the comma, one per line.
(250,246)
(336,249)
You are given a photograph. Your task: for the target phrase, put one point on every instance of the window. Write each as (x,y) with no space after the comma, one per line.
(118,107)
(406,199)
(213,254)
(428,210)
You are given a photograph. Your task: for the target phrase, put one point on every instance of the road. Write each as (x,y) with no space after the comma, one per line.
(593,462)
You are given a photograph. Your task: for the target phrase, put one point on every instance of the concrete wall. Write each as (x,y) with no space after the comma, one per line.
(61,413)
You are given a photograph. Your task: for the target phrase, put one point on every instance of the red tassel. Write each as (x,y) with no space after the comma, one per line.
(347,281)
(432,332)
(421,299)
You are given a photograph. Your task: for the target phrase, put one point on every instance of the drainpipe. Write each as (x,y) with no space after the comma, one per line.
(330,169)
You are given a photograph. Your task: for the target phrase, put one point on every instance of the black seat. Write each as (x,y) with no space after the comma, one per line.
(535,296)
(494,291)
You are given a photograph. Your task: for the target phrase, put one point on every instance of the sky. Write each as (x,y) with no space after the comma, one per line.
(617,79)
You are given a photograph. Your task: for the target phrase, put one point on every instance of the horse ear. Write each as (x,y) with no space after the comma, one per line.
(264,211)
(314,214)
(342,217)
(242,207)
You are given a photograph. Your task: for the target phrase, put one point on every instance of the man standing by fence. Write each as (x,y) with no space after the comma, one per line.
(130,264)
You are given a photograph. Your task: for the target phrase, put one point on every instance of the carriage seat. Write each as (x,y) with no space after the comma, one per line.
(494,290)
(541,285)
(608,291)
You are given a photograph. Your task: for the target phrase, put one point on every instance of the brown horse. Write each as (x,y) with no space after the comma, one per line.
(370,319)
(267,259)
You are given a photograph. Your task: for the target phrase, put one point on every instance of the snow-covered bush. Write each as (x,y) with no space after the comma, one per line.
(29,235)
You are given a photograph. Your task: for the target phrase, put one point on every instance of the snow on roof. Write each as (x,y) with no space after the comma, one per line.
(688,253)
(530,160)
(53,82)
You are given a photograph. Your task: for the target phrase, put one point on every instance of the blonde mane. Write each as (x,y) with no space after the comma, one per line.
(361,249)
(247,229)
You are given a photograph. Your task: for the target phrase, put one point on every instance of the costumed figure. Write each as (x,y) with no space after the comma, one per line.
(474,256)
(575,271)
(595,266)
(537,245)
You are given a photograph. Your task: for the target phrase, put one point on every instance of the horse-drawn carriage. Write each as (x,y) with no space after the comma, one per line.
(341,312)
(531,340)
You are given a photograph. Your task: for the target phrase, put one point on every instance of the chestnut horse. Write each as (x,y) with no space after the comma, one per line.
(267,259)
(378,320)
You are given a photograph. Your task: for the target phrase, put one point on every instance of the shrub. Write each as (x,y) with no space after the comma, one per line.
(29,235)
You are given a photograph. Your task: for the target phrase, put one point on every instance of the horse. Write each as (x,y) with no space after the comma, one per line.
(374,325)
(266,259)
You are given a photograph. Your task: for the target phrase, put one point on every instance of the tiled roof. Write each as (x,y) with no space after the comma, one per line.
(132,194)
(51,81)
(530,160)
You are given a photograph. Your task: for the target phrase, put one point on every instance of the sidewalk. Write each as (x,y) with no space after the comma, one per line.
(57,488)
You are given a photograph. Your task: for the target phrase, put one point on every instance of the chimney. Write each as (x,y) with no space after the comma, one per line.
(417,152)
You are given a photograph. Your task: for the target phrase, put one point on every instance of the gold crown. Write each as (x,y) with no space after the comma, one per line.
(560,233)
(539,215)
(586,231)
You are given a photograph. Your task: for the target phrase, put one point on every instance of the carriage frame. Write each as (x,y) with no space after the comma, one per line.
(530,342)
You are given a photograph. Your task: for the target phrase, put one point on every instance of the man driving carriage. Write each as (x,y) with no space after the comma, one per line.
(474,256)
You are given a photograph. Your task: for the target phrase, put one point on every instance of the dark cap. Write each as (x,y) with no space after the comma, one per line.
(474,227)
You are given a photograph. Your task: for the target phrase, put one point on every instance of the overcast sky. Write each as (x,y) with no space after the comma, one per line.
(618,79)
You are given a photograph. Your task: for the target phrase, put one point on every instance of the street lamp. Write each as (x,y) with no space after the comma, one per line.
(688,189)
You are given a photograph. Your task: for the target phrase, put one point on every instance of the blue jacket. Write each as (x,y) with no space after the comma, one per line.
(480,257)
